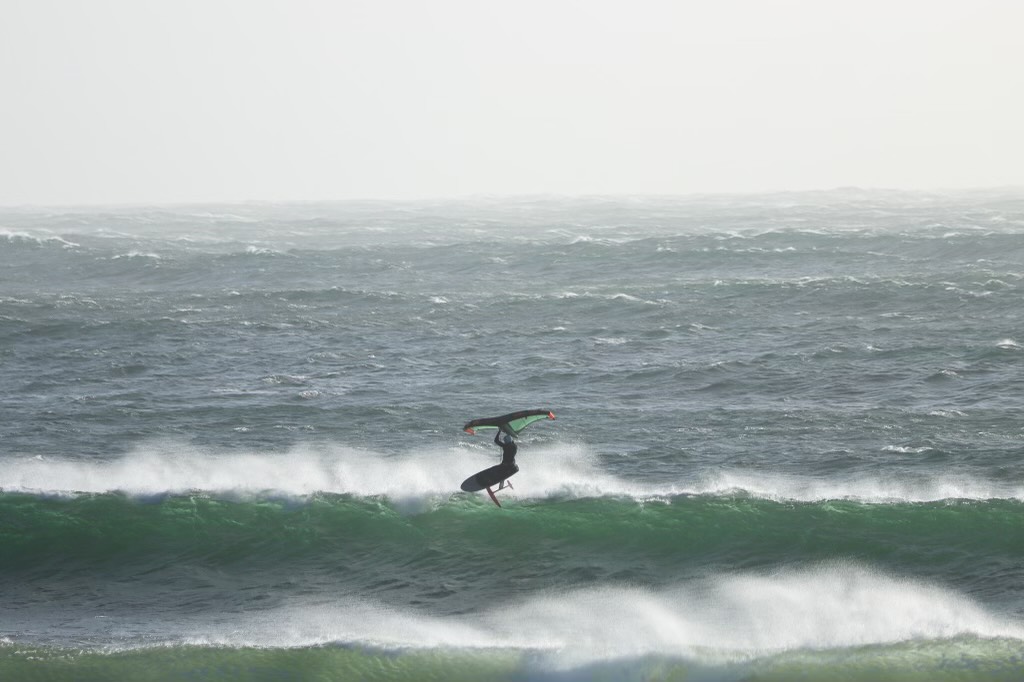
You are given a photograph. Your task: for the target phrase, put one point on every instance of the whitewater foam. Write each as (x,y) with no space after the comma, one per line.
(885,487)
(552,470)
(728,618)
(23,237)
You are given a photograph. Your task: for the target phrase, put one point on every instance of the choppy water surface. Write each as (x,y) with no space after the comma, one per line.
(788,442)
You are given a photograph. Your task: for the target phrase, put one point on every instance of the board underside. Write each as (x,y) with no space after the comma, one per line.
(488,477)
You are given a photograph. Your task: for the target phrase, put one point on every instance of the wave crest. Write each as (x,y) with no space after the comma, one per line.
(553,470)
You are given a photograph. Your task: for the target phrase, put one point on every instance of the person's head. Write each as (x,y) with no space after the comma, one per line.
(507,440)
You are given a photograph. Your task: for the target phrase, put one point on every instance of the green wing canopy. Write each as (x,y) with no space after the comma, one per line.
(512,423)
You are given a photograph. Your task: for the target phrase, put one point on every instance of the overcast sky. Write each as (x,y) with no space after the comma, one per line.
(134,101)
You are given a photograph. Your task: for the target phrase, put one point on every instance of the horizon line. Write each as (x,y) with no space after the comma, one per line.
(511,197)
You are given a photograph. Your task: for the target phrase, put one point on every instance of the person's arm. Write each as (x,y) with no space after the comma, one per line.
(497,438)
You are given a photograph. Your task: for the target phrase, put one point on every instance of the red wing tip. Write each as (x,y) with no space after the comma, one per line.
(551,415)
(470,431)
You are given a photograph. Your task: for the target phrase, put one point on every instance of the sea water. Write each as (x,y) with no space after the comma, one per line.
(788,442)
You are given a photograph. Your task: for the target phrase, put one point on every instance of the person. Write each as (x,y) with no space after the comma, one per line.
(508,448)
(508,457)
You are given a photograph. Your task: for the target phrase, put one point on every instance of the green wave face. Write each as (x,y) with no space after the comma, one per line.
(536,542)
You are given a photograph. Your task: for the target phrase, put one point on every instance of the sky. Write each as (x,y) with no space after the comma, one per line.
(176,101)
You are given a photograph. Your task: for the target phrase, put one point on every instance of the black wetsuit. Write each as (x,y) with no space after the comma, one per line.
(508,455)
(508,450)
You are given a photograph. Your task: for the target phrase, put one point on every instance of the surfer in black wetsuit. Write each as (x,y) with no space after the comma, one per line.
(508,456)
(508,448)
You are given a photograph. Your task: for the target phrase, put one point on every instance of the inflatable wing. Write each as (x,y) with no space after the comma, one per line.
(512,423)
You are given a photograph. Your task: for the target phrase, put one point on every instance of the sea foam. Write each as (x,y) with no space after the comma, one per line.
(548,470)
(732,617)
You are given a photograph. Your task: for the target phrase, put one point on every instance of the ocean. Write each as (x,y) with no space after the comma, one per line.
(788,442)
